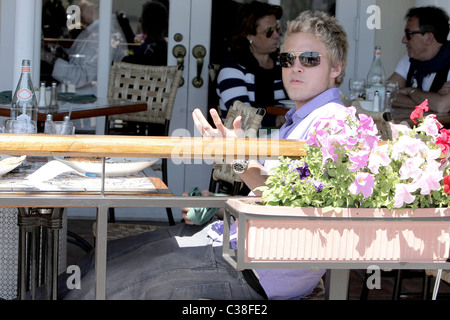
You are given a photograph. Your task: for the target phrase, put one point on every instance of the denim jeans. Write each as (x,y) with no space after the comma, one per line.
(174,263)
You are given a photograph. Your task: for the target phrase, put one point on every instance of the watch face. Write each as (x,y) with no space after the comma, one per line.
(239,166)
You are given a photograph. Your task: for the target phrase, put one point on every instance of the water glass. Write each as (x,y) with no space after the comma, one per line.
(59,127)
(20,126)
(356,87)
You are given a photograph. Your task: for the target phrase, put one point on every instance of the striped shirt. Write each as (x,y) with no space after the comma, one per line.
(243,79)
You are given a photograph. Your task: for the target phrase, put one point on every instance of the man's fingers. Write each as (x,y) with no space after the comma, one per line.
(237,126)
(202,125)
(218,122)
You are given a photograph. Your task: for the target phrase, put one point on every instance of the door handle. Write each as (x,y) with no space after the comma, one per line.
(179,52)
(199,52)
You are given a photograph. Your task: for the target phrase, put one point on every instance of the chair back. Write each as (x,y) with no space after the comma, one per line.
(156,85)
(251,121)
(384,127)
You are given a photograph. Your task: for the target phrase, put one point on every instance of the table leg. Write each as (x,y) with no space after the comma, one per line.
(336,284)
(100,253)
(34,261)
(22,263)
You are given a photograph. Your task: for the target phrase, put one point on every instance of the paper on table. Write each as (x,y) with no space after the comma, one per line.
(48,171)
(71,180)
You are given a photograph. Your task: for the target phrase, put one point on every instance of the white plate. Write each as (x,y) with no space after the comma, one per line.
(8,163)
(113,166)
(366,105)
(288,103)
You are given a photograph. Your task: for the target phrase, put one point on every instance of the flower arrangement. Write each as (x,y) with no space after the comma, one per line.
(348,166)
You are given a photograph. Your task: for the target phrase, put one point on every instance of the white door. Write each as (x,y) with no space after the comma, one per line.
(189,35)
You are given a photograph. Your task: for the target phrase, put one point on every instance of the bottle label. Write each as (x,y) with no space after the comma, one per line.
(26,69)
(24,94)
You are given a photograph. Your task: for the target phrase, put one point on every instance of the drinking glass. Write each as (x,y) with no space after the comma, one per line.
(60,128)
(20,126)
(356,87)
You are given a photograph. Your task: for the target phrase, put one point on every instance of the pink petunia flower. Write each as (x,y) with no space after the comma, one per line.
(378,157)
(359,160)
(402,195)
(363,183)
(411,168)
(430,126)
(429,179)
(407,145)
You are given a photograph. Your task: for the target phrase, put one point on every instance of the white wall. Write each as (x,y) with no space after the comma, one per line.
(389,37)
(6,43)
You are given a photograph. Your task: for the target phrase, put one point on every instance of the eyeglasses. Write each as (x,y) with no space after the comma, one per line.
(408,33)
(307,59)
(269,32)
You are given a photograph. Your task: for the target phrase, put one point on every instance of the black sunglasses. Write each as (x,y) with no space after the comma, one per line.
(269,32)
(408,33)
(307,59)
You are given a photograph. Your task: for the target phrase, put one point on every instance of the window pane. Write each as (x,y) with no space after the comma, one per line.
(292,8)
(69,52)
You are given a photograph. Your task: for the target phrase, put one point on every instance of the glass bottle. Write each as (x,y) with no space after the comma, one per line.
(53,106)
(42,105)
(24,103)
(48,128)
(376,78)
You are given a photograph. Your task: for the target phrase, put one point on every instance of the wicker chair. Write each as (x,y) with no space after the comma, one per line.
(157,85)
(251,120)
(379,118)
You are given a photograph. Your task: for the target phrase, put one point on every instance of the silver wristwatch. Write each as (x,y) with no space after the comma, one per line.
(239,166)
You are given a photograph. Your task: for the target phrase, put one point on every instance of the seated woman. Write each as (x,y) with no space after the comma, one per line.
(251,72)
(153,50)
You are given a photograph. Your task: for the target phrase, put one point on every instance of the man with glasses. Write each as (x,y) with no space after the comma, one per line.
(185,261)
(423,73)
(313,60)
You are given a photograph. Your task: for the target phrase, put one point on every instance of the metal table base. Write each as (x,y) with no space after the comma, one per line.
(38,250)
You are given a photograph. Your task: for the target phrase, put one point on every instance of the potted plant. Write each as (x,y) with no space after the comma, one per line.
(354,197)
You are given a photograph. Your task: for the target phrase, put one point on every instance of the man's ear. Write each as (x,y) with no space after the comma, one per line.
(336,71)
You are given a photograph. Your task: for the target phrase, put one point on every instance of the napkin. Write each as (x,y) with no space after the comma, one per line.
(5,97)
(76,98)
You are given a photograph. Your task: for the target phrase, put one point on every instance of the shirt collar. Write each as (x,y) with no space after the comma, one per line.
(295,116)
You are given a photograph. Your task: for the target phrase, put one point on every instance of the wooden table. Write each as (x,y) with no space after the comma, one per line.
(401,114)
(99,108)
(397,115)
